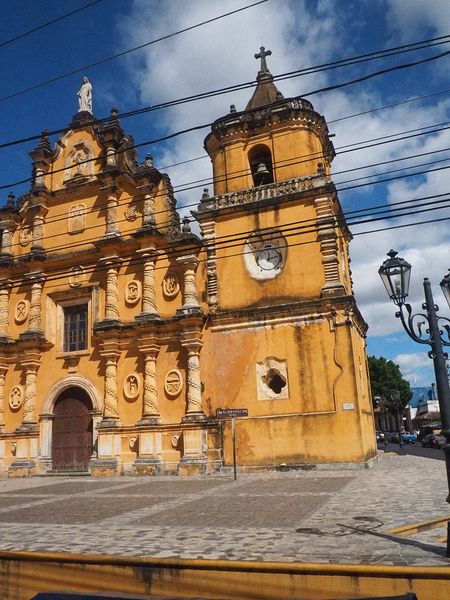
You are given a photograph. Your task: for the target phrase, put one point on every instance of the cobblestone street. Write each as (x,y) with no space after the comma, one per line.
(338,516)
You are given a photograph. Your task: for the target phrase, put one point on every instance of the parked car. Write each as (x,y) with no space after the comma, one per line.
(433,441)
(409,438)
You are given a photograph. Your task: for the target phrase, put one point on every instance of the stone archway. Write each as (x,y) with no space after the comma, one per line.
(86,390)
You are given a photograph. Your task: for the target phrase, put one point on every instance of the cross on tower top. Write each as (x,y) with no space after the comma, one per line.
(262,55)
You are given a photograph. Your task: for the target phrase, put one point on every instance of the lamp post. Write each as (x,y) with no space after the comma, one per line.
(424,328)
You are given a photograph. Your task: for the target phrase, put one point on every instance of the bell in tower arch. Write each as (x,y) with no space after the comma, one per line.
(260,159)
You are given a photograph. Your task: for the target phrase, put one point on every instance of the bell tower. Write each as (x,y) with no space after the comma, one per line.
(273,196)
(287,339)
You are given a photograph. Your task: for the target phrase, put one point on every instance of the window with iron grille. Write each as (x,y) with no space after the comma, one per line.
(75,327)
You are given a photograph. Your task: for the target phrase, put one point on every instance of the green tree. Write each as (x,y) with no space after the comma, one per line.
(387,383)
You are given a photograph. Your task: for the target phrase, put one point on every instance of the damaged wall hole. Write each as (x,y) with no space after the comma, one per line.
(274,380)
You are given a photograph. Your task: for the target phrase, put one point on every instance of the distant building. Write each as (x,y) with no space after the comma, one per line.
(427,415)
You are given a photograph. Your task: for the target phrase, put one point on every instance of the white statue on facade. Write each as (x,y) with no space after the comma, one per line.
(85,96)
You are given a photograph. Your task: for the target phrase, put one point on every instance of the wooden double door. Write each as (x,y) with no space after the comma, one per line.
(72,431)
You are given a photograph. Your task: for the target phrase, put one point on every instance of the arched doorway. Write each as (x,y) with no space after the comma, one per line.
(72,431)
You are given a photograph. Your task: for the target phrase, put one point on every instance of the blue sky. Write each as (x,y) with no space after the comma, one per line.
(299,34)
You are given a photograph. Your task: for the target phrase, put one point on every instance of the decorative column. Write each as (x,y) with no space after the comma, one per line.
(194,408)
(111,411)
(190,299)
(326,233)
(112,228)
(150,411)
(30,362)
(5,289)
(112,288)
(149,308)
(3,369)
(111,353)
(37,280)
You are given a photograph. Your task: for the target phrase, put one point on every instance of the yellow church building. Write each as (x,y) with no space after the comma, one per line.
(122,331)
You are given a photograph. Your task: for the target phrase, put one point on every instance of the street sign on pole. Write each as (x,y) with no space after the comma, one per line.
(228,413)
(231,413)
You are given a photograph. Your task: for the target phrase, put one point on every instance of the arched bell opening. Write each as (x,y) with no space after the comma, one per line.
(72,431)
(260,161)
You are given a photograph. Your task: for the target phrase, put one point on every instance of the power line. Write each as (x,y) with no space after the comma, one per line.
(30,31)
(283,163)
(295,161)
(348,217)
(393,105)
(199,127)
(298,231)
(128,51)
(245,85)
(338,86)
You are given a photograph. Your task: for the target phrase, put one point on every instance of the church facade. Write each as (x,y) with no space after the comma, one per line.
(122,331)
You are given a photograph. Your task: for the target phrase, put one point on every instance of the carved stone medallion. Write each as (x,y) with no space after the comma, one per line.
(133,292)
(26,235)
(175,439)
(171,285)
(76,276)
(131,386)
(21,311)
(16,397)
(173,383)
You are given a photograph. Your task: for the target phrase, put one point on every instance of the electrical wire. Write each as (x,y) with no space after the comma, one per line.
(128,51)
(56,20)
(137,261)
(298,227)
(125,200)
(438,127)
(242,86)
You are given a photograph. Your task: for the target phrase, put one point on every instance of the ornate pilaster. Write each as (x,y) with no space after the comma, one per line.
(110,353)
(149,308)
(208,230)
(150,411)
(3,369)
(190,299)
(30,362)
(5,289)
(326,233)
(194,407)
(112,218)
(29,404)
(37,280)
(112,266)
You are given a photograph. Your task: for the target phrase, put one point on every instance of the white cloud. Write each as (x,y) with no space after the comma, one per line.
(409,19)
(410,362)
(300,34)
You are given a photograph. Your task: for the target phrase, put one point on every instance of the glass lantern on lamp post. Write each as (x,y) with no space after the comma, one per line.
(424,328)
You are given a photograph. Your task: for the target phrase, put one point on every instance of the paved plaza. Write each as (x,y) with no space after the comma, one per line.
(336,516)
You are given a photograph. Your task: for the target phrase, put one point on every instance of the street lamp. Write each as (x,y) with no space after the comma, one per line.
(424,329)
